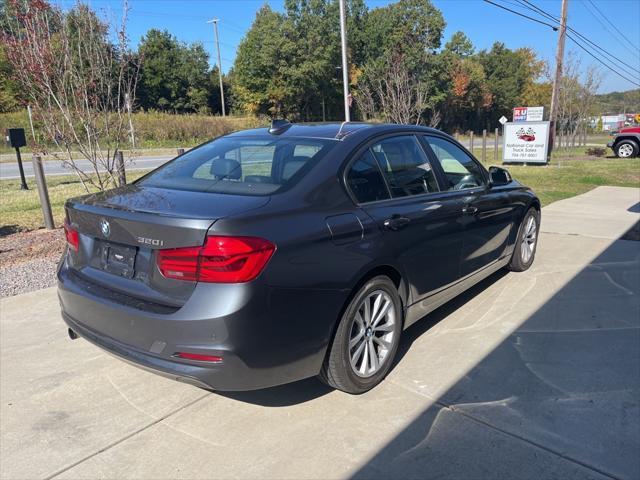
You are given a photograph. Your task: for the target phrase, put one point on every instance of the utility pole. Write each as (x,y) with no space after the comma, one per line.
(345,68)
(215,29)
(553,114)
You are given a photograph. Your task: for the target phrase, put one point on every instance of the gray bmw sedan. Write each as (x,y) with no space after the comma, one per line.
(270,255)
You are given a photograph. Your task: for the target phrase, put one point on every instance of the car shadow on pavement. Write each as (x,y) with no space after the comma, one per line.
(282,395)
(311,388)
(429,321)
(557,397)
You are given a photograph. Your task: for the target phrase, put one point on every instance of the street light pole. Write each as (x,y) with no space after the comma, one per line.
(345,68)
(215,28)
(553,114)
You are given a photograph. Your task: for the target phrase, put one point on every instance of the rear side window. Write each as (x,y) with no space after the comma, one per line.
(405,166)
(365,180)
(241,165)
(460,170)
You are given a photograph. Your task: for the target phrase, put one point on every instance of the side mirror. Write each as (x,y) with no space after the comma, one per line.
(499,176)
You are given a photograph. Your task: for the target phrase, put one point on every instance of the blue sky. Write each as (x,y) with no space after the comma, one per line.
(483,23)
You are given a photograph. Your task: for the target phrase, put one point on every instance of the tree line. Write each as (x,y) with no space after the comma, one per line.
(288,65)
(401,68)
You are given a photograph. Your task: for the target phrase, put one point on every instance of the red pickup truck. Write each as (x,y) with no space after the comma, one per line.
(626,142)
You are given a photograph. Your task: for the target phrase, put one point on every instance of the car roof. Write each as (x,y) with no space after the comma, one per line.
(327,130)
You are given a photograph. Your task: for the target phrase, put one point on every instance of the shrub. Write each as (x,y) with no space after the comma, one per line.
(596,151)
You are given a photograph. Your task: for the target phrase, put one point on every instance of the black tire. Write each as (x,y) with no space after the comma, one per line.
(519,261)
(626,149)
(337,370)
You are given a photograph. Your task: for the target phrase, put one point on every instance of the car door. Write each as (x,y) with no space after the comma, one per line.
(393,181)
(488,215)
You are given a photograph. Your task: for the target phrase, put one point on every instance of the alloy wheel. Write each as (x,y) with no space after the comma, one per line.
(373,331)
(625,151)
(529,239)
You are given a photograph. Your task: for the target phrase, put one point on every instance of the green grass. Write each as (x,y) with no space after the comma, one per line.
(567,178)
(570,173)
(20,209)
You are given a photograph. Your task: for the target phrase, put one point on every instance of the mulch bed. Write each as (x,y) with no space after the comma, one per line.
(24,246)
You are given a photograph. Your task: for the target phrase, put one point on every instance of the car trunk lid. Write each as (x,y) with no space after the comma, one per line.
(121,230)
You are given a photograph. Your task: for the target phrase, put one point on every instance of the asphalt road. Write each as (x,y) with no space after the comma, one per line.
(9,170)
(530,375)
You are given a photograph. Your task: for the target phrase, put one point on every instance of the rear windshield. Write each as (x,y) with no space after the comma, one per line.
(241,165)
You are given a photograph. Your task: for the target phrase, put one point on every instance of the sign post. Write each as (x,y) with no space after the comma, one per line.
(525,142)
(17,139)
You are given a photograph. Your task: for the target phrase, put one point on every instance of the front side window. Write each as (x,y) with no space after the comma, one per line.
(460,170)
(241,165)
(405,166)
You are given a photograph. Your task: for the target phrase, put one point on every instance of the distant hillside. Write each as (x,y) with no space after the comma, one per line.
(619,102)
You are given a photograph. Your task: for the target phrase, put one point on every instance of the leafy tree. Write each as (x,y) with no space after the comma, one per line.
(213,98)
(289,64)
(403,37)
(76,81)
(509,74)
(10,98)
(261,84)
(315,69)
(467,93)
(459,45)
(174,76)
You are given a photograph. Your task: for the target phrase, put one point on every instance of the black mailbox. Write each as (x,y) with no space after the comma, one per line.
(16,138)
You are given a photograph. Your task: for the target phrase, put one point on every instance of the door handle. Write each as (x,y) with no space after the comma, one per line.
(469,209)
(396,222)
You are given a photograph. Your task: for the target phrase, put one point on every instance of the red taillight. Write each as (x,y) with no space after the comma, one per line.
(199,357)
(220,260)
(73,238)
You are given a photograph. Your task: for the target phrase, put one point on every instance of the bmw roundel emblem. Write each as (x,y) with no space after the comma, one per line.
(105,227)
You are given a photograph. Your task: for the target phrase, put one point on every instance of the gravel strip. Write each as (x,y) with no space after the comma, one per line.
(28,260)
(27,276)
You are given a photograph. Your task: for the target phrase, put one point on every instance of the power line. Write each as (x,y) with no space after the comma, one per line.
(612,24)
(555,29)
(604,26)
(532,6)
(572,39)
(599,60)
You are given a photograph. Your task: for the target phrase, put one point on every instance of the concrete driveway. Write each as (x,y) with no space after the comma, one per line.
(531,375)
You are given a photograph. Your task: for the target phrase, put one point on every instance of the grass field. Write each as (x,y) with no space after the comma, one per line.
(569,174)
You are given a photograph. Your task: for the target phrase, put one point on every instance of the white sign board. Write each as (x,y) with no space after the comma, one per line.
(528,114)
(535,114)
(503,120)
(525,142)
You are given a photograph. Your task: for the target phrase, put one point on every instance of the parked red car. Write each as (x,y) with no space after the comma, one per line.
(626,142)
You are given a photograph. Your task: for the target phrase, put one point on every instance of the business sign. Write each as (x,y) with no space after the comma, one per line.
(528,114)
(525,142)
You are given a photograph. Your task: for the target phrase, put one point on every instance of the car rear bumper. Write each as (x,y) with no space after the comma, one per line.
(610,144)
(184,373)
(263,335)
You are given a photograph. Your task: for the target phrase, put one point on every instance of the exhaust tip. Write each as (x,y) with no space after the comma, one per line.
(72,335)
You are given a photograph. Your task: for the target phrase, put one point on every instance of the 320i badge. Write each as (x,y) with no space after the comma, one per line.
(271,255)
